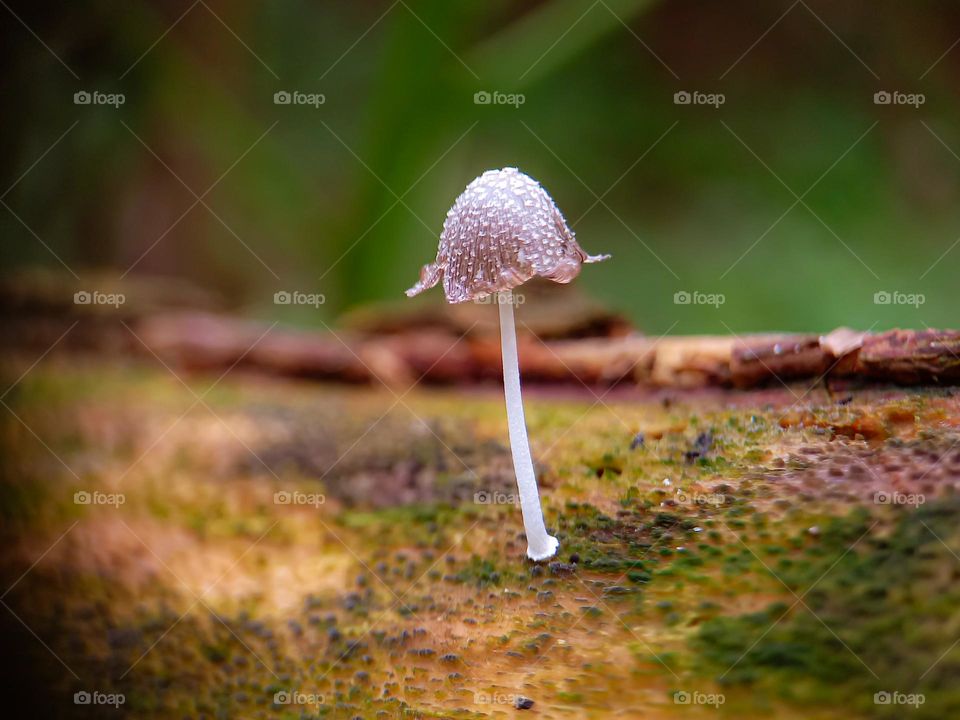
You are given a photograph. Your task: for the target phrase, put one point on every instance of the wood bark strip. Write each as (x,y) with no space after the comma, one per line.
(562,345)
(787,357)
(433,355)
(911,356)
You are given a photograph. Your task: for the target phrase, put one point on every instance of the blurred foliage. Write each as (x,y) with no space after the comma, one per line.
(348,198)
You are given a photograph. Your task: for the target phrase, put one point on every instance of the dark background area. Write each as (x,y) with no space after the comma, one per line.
(347,198)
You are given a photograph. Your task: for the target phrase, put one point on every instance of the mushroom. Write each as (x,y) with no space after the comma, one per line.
(503,230)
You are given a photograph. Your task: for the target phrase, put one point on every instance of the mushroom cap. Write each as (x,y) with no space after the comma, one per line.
(503,230)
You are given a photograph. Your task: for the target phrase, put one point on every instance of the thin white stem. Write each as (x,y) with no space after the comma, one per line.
(540,545)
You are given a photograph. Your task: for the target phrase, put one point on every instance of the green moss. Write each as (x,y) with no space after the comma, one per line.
(875,605)
(479,572)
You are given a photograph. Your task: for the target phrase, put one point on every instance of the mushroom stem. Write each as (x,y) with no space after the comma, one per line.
(540,545)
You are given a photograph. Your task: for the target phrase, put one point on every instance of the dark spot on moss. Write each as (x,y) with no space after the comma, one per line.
(523,703)
(215,653)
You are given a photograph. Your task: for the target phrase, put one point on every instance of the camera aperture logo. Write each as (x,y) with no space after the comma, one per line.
(888,497)
(95,97)
(484,97)
(684,297)
(684,697)
(85,297)
(85,497)
(86,697)
(295,97)
(295,297)
(295,697)
(895,97)
(895,297)
(686,97)
(898,698)
(295,497)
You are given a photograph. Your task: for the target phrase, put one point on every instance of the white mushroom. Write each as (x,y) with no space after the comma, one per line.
(503,230)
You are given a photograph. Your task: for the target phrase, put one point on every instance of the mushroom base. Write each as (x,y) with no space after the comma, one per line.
(552,545)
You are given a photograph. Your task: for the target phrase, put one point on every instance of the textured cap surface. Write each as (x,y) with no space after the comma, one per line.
(503,230)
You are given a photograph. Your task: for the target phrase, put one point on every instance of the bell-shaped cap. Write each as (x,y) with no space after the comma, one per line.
(503,230)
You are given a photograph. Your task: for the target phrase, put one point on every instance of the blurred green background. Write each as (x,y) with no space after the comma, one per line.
(347,198)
